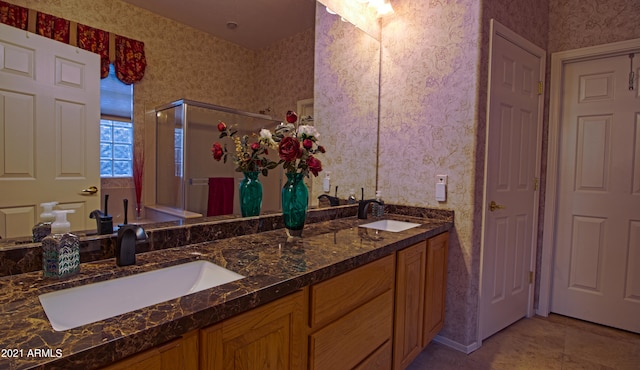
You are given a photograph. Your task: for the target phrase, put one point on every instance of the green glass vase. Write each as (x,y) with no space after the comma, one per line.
(250,194)
(295,199)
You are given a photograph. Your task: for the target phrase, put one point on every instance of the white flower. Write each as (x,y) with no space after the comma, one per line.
(306,131)
(267,137)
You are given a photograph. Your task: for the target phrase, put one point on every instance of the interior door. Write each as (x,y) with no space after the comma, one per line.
(597,254)
(49,130)
(510,192)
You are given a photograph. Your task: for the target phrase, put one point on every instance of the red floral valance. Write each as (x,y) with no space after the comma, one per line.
(128,54)
(95,41)
(130,60)
(14,15)
(52,27)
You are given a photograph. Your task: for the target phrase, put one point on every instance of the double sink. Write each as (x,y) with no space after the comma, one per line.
(74,307)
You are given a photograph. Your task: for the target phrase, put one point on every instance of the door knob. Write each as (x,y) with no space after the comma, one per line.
(493,206)
(90,190)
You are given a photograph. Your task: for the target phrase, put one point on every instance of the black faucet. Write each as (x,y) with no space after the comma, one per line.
(333,201)
(128,235)
(104,221)
(363,207)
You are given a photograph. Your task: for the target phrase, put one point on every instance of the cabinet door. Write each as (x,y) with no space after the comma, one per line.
(181,353)
(410,286)
(435,286)
(267,337)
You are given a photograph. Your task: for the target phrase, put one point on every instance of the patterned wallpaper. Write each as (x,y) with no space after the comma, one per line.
(580,23)
(285,74)
(355,12)
(346,104)
(428,127)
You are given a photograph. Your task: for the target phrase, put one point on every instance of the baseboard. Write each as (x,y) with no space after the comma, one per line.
(457,346)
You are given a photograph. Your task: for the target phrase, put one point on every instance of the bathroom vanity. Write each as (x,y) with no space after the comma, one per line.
(331,299)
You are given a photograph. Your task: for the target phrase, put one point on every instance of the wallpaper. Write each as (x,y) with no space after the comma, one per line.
(428,113)
(183,62)
(355,12)
(285,74)
(580,23)
(346,104)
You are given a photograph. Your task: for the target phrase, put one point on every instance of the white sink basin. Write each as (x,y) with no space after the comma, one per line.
(73,307)
(390,225)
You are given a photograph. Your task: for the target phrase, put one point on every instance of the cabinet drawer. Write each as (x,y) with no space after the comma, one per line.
(380,359)
(348,341)
(337,296)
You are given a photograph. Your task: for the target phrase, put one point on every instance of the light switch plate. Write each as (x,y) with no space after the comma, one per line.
(441,179)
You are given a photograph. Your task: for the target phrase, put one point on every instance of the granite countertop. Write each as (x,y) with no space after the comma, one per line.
(273,266)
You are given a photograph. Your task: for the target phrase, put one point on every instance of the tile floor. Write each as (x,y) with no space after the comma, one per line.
(552,343)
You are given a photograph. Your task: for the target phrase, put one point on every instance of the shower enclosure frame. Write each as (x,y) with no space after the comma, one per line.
(186,180)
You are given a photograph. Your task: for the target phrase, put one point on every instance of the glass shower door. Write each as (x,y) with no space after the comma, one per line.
(170,157)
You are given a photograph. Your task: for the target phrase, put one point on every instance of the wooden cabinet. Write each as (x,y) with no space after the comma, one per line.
(420,297)
(351,318)
(346,322)
(435,286)
(268,337)
(180,353)
(409,301)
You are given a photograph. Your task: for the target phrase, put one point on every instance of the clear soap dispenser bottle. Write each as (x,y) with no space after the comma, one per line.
(43,228)
(60,249)
(352,197)
(378,209)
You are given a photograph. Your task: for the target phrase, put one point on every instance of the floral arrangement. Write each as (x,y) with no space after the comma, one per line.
(250,153)
(297,146)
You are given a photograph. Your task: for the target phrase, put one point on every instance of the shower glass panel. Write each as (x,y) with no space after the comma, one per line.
(185,132)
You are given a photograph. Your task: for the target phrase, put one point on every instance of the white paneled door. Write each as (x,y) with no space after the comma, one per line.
(49,130)
(596,275)
(513,140)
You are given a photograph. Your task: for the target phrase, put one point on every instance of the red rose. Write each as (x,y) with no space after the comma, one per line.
(255,146)
(289,149)
(217,151)
(321,149)
(292,116)
(307,143)
(314,164)
(222,126)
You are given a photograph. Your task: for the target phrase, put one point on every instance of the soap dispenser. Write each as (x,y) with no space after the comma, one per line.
(377,209)
(60,249)
(352,197)
(43,228)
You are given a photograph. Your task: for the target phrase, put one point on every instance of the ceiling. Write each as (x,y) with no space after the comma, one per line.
(260,22)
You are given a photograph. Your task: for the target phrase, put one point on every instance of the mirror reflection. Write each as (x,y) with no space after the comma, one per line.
(347,127)
(187,176)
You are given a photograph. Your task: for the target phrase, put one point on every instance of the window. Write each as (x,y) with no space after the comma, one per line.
(116,127)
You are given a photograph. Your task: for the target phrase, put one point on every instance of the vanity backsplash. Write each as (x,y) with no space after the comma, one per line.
(19,258)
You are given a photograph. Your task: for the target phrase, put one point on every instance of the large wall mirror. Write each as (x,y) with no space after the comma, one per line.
(345,93)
